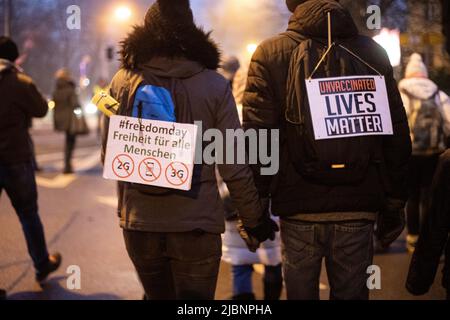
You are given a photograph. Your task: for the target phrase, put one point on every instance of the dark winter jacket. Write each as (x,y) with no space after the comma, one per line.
(20,101)
(212,103)
(265,103)
(66,101)
(434,235)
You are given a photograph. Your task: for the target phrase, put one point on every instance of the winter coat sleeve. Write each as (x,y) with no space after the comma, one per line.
(238,177)
(31,100)
(434,232)
(397,148)
(260,109)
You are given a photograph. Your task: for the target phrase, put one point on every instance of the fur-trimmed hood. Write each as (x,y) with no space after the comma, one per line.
(147,42)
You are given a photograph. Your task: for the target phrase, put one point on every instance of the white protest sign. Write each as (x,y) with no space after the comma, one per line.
(349,107)
(150,152)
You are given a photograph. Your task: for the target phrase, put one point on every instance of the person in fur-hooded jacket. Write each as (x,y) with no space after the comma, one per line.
(174,239)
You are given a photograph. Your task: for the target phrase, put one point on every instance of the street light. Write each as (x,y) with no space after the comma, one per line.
(123,13)
(251,48)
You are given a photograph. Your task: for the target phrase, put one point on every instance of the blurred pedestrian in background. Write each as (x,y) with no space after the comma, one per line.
(434,236)
(428,111)
(228,68)
(242,261)
(235,251)
(22,101)
(66,104)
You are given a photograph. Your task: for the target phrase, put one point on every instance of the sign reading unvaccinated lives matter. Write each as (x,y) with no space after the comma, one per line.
(150,152)
(349,107)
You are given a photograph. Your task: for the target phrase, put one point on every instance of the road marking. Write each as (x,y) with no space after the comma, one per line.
(62,181)
(59,156)
(108,201)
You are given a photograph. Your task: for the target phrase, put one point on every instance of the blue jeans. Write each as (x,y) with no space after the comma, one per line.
(347,248)
(20,185)
(242,281)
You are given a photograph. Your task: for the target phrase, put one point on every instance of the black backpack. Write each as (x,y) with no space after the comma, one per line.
(427,128)
(331,162)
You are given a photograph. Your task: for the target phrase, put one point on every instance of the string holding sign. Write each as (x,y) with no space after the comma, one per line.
(331,45)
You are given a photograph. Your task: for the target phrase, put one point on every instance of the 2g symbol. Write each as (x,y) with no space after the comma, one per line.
(124,166)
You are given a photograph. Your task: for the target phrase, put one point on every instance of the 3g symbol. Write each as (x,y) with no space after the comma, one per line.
(179,174)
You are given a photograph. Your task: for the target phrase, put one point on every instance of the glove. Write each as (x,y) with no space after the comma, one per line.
(253,237)
(264,231)
(251,242)
(391,222)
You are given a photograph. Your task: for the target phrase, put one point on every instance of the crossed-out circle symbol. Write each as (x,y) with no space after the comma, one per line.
(177,174)
(123,166)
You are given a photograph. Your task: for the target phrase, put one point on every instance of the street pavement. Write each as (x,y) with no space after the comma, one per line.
(79,215)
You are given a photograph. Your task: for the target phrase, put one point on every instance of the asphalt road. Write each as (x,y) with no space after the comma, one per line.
(79,216)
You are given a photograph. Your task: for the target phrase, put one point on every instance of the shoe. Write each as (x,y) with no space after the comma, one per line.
(53,264)
(411,242)
(244,297)
(2,294)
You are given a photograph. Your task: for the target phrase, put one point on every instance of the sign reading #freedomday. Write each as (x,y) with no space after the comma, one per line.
(349,107)
(150,152)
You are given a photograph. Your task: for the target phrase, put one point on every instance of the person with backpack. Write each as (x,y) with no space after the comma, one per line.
(328,193)
(434,237)
(428,110)
(174,237)
(21,101)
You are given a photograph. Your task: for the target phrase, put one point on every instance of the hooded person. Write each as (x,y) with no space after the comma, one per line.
(324,219)
(20,102)
(428,111)
(174,238)
(229,67)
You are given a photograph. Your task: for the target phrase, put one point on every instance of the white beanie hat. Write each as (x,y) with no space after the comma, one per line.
(416,68)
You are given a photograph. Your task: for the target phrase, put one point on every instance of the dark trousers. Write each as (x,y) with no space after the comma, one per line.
(69,148)
(20,185)
(176,266)
(421,172)
(348,251)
